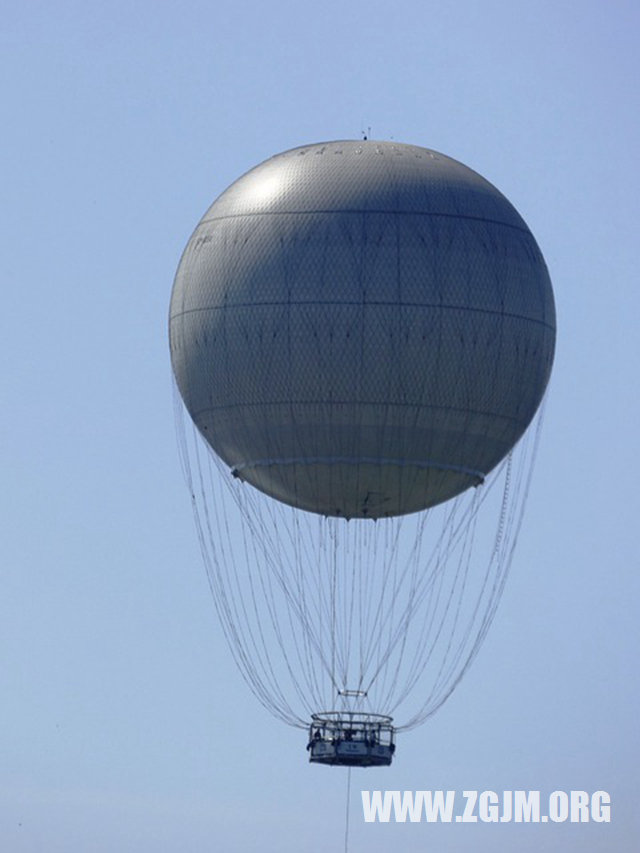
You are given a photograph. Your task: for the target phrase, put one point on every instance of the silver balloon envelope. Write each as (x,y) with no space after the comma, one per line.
(361,328)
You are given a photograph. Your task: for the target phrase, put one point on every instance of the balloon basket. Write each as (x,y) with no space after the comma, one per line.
(351,739)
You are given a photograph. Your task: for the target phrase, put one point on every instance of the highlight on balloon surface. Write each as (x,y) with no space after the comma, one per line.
(361,333)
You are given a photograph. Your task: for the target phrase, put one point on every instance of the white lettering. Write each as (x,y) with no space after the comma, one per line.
(437,807)
(526,806)
(558,806)
(579,807)
(488,806)
(468,815)
(601,807)
(517,806)
(409,805)
(507,807)
(374,808)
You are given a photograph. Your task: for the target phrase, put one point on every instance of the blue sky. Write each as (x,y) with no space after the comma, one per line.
(124,725)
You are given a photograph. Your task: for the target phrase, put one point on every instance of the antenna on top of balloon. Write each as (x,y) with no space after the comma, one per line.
(366,134)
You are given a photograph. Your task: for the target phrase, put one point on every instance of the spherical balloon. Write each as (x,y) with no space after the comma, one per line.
(362,328)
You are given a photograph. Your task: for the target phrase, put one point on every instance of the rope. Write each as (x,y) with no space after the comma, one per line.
(394,608)
(346,826)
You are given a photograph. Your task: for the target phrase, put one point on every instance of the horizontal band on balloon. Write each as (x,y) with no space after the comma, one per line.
(364,460)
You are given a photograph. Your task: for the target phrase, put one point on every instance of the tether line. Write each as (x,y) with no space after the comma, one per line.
(346,828)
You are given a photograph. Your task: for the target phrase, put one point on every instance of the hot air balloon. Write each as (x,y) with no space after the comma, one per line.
(361,333)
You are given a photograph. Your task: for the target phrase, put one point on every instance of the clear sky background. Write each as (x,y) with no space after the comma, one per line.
(123,722)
